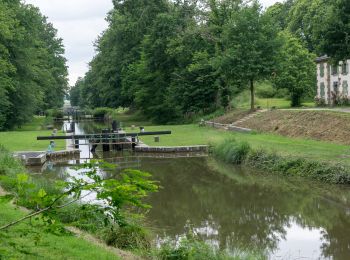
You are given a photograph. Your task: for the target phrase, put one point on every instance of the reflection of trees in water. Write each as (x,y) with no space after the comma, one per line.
(247,215)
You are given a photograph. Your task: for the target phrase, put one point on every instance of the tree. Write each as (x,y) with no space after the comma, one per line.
(33,74)
(75,92)
(279,13)
(296,69)
(336,33)
(249,47)
(306,21)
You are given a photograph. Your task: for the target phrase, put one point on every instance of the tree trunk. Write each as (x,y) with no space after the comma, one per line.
(252,95)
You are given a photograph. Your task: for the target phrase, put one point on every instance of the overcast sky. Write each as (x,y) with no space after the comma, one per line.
(79,22)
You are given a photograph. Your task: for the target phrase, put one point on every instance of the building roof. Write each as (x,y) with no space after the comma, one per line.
(322,58)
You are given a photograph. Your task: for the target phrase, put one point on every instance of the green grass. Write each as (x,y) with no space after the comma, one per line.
(31,240)
(26,141)
(195,135)
(242,100)
(24,138)
(36,124)
(267,103)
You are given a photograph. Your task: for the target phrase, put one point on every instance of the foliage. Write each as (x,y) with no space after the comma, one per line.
(7,164)
(33,74)
(192,248)
(54,113)
(128,190)
(265,90)
(75,93)
(249,47)
(295,70)
(132,236)
(101,112)
(179,65)
(336,31)
(230,150)
(32,239)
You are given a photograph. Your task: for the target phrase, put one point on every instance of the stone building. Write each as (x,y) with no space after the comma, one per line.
(332,81)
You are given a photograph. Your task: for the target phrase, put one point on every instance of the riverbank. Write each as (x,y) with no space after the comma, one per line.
(32,240)
(332,125)
(241,153)
(46,236)
(183,135)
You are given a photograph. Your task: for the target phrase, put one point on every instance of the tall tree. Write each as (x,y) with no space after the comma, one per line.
(336,42)
(296,69)
(33,72)
(250,47)
(306,20)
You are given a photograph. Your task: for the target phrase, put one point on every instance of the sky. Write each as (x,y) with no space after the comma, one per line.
(79,22)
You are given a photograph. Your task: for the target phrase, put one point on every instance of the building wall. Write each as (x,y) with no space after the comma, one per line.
(328,80)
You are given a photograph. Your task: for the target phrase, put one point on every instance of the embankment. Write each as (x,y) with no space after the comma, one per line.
(241,153)
(330,126)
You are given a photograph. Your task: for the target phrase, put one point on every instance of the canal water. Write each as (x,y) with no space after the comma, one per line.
(240,209)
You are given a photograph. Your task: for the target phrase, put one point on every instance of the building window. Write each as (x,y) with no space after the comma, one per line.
(322,70)
(345,88)
(344,68)
(334,70)
(322,92)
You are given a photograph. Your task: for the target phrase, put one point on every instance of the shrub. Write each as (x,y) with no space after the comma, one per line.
(55,113)
(320,102)
(232,151)
(8,164)
(131,236)
(282,93)
(237,153)
(265,90)
(101,112)
(193,248)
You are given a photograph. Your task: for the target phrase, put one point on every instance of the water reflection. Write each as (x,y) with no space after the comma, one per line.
(235,209)
(285,219)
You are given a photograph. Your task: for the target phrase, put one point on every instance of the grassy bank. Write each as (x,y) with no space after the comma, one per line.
(330,126)
(24,138)
(39,238)
(31,240)
(241,153)
(285,146)
(26,141)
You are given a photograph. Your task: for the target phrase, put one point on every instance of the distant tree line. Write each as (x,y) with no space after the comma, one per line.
(176,59)
(33,72)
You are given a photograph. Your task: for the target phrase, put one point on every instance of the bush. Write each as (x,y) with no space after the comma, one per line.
(282,93)
(8,164)
(237,153)
(265,90)
(101,112)
(320,102)
(55,113)
(192,248)
(232,151)
(130,236)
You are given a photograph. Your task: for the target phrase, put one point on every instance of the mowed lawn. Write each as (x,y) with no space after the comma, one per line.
(26,141)
(24,138)
(31,240)
(304,148)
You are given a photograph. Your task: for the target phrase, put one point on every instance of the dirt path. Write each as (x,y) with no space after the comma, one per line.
(343,110)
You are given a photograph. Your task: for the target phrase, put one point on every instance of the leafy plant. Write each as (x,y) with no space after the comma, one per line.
(129,189)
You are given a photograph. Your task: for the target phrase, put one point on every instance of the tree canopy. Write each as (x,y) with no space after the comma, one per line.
(176,59)
(33,73)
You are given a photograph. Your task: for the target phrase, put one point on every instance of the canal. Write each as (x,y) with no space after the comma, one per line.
(238,209)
